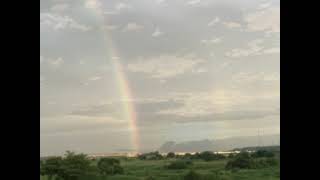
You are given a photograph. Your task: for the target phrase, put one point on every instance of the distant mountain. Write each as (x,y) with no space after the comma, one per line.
(255,148)
(220,144)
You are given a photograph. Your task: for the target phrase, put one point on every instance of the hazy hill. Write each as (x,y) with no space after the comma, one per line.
(220,144)
(269,148)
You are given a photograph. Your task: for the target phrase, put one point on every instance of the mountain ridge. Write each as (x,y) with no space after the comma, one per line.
(219,144)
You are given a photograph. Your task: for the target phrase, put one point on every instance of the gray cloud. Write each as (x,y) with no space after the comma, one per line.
(211,67)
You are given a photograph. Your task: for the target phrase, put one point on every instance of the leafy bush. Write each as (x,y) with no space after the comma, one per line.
(263,153)
(170,155)
(149,178)
(241,163)
(187,156)
(244,161)
(272,161)
(192,175)
(150,156)
(262,163)
(51,166)
(180,164)
(71,167)
(109,166)
(210,156)
(74,166)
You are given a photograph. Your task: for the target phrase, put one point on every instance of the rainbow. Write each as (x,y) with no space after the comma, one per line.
(124,87)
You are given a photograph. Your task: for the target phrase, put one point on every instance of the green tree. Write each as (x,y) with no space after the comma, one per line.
(74,166)
(241,161)
(187,156)
(150,156)
(179,164)
(192,175)
(109,166)
(149,178)
(207,156)
(171,155)
(263,153)
(51,167)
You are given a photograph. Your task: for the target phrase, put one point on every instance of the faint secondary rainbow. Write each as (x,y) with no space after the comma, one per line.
(121,79)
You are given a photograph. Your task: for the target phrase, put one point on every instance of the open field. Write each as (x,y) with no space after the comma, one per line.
(135,169)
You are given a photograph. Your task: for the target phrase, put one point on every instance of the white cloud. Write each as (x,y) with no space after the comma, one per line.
(110,12)
(193,2)
(252,77)
(56,62)
(200,70)
(122,6)
(132,26)
(272,50)
(95,78)
(165,66)
(214,21)
(59,7)
(110,27)
(59,22)
(225,103)
(118,8)
(264,5)
(232,25)
(82,62)
(93,4)
(254,48)
(267,20)
(211,41)
(206,103)
(51,61)
(115,58)
(157,33)
(160,1)
(51,102)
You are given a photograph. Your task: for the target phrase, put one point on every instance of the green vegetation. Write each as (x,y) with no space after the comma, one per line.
(171,155)
(153,166)
(109,166)
(192,175)
(150,156)
(179,164)
(259,159)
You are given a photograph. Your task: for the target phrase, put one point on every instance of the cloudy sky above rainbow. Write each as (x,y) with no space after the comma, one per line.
(132,74)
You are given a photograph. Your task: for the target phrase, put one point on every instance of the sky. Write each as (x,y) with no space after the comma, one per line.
(132,74)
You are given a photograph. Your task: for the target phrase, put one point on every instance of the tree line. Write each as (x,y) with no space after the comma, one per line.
(72,166)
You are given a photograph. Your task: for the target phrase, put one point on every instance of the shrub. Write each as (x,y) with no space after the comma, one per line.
(241,162)
(180,164)
(170,155)
(195,156)
(192,175)
(247,162)
(150,156)
(231,155)
(187,156)
(263,153)
(272,161)
(109,166)
(210,156)
(149,178)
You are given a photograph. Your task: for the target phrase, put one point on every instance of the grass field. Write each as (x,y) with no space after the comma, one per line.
(135,169)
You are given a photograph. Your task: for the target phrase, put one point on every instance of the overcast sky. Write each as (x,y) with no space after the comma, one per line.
(197,69)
